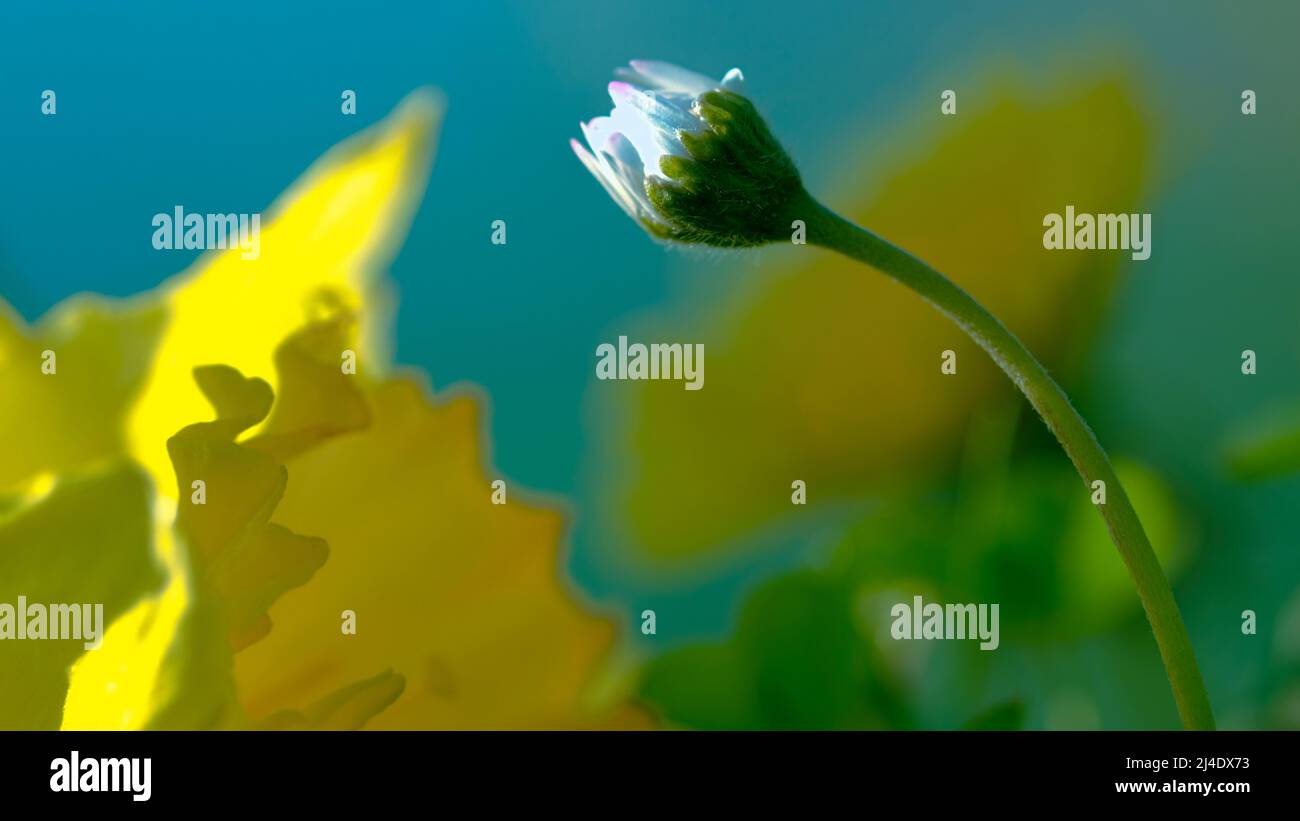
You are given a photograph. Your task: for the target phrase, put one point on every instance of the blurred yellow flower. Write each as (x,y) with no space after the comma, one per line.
(321,490)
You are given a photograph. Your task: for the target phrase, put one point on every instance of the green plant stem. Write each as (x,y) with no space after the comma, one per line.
(829,230)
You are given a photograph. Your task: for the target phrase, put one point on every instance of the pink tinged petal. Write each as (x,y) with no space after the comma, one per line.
(669,77)
(734,81)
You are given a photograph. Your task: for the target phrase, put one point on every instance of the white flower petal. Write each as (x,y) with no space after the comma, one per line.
(734,81)
(607,178)
(653,107)
(678,100)
(627,164)
(669,77)
(598,131)
(665,110)
(650,142)
(618,164)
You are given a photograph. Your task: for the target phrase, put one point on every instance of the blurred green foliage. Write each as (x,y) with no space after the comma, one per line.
(1015,526)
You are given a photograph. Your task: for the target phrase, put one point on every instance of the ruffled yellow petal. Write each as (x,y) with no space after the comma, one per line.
(324,245)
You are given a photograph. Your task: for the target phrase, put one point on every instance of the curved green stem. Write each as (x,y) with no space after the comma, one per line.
(827,229)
